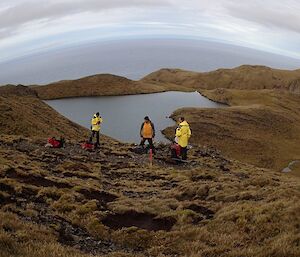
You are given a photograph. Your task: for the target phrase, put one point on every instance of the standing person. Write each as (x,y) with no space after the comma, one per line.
(183,133)
(147,133)
(96,126)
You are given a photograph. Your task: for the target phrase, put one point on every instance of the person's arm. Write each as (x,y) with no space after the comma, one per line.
(189,133)
(178,132)
(141,131)
(153,129)
(100,120)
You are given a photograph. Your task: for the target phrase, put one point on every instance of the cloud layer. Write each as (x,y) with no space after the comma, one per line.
(24,11)
(27,25)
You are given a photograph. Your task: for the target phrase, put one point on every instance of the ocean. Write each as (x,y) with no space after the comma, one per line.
(134,59)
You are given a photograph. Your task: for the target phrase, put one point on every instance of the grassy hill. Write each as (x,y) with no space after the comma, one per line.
(229,200)
(23,113)
(69,202)
(243,77)
(261,127)
(97,85)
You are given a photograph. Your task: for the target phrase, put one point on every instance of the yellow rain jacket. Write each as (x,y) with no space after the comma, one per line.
(96,123)
(183,132)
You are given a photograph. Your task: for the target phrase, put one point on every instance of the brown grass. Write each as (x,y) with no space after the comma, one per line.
(259,127)
(56,202)
(243,77)
(98,85)
(29,116)
(243,211)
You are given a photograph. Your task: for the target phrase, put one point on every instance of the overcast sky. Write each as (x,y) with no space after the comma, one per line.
(29,26)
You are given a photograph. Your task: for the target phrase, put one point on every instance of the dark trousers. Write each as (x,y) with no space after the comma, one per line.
(183,153)
(150,141)
(97,134)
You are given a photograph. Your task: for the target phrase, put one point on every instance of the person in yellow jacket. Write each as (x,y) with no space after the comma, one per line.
(147,133)
(95,127)
(183,133)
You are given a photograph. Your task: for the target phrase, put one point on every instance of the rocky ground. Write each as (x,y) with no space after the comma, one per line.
(70,202)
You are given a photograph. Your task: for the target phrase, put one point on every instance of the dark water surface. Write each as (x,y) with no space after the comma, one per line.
(133,59)
(123,115)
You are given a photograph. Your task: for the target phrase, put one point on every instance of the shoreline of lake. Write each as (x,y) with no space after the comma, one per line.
(123,123)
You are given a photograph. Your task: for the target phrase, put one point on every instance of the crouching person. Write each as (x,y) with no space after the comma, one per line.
(183,133)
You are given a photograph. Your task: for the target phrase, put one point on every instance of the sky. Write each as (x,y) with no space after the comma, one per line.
(32,26)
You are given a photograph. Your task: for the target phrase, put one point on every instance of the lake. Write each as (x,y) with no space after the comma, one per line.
(123,115)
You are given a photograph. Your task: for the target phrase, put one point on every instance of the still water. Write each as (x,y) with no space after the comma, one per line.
(123,115)
(133,59)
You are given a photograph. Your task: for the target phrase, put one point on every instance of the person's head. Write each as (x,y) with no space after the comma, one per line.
(97,114)
(181,119)
(146,119)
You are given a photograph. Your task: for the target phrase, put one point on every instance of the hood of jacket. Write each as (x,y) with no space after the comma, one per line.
(184,123)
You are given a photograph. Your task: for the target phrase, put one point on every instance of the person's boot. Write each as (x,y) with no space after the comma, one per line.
(97,146)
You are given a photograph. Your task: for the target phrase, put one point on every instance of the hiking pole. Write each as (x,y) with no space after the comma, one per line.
(151,157)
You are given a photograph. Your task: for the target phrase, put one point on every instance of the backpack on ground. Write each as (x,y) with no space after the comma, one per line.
(175,151)
(55,143)
(88,146)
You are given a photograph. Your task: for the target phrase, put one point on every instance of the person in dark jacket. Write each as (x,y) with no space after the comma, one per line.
(147,133)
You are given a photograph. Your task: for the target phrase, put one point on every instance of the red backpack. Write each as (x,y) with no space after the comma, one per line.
(175,150)
(54,142)
(87,146)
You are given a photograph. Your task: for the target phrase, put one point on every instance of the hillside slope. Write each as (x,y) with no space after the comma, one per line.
(97,85)
(23,113)
(263,132)
(261,127)
(243,77)
(110,203)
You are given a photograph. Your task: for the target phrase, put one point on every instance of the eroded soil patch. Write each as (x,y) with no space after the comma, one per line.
(35,180)
(141,220)
(207,213)
(101,196)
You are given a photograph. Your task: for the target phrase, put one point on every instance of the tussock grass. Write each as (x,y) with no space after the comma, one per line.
(54,202)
